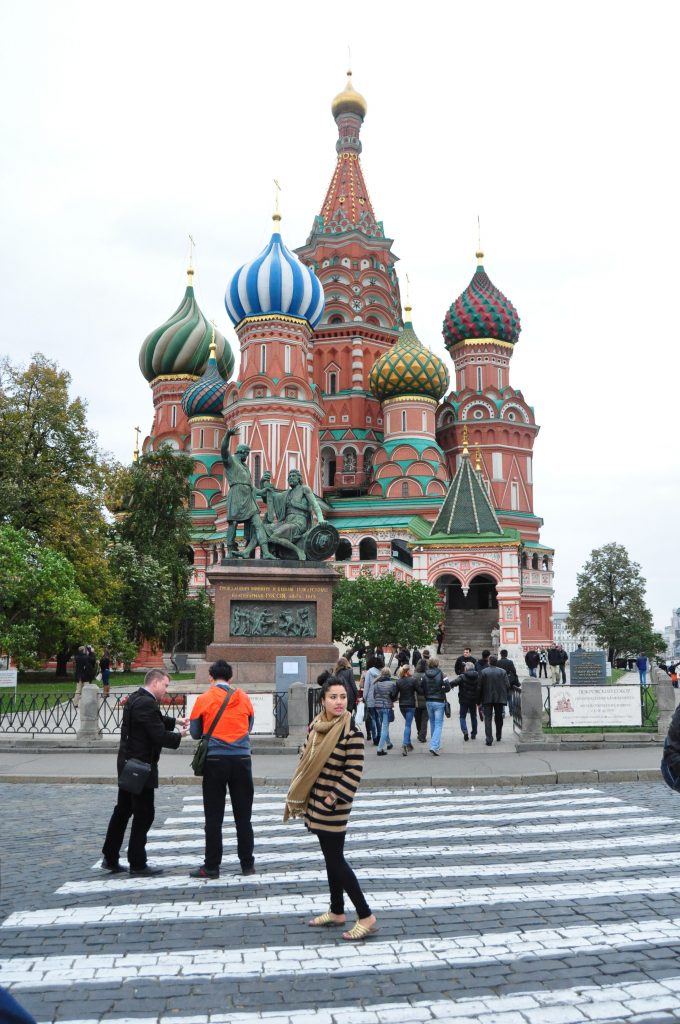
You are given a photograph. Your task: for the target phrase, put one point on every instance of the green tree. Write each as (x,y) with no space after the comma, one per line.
(150,501)
(52,475)
(384,610)
(610,603)
(42,608)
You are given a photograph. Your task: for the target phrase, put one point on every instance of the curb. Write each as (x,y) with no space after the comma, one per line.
(561,778)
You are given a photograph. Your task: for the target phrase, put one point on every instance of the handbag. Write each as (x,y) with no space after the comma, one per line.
(198,760)
(360,714)
(134,775)
(447,709)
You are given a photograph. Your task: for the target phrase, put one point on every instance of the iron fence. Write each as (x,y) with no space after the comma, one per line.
(281,714)
(515,702)
(314,702)
(38,713)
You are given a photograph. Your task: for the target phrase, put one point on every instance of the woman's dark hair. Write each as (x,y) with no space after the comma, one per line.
(328,683)
(372,662)
(323,676)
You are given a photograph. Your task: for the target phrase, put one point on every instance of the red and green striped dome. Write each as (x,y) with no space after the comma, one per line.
(482,311)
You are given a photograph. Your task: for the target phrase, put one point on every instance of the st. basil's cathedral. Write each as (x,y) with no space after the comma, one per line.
(427,482)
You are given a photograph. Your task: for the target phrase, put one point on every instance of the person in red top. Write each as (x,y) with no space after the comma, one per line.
(227,766)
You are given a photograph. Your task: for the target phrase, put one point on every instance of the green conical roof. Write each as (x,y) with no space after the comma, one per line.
(466,507)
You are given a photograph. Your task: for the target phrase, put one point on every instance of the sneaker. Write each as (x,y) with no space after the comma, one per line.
(466,737)
(114,869)
(473,736)
(489,743)
(389,746)
(145,872)
(435,753)
(204,872)
(404,751)
(409,747)
(249,871)
(381,753)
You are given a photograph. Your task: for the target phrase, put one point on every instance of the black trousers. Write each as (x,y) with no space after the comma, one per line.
(341,878)
(421,719)
(236,775)
(139,807)
(493,712)
(542,670)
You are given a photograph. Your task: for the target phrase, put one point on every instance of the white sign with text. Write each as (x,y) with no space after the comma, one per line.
(263,706)
(8,677)
(594,705)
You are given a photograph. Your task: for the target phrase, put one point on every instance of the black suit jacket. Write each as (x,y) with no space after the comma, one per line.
(144,731)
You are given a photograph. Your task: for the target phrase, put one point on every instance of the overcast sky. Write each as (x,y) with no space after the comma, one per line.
(126,126)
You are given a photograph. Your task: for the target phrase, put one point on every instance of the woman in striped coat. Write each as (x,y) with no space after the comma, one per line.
(321,792)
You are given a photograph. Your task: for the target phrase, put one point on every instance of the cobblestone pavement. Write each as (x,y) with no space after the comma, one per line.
(516,906)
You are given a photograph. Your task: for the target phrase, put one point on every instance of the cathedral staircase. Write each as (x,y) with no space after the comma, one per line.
(465,629)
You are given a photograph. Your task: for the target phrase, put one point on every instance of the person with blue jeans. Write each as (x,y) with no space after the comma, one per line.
(406,695)
(641,662)
(434,688)
(384,693)
(373,669)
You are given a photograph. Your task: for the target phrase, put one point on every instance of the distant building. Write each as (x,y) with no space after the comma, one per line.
(568,640)
(672,635)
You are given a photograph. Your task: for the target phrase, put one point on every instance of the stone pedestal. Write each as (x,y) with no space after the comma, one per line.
(88,709)
(265,609)
(532,713)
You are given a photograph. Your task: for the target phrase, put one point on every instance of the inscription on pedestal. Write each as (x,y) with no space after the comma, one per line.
(272,618)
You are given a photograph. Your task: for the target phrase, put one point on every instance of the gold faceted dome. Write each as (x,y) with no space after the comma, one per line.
(408,369)
(349,101)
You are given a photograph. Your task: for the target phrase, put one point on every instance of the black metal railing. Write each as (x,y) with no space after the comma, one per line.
(515,709)
(281,714)
(111,710)
(314,702)
(43,713)
(648,710)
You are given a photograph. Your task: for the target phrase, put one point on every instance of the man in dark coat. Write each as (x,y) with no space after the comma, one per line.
(505,662)
(459,667)
(145,730)
(531,659)
(493,691)
(467,698)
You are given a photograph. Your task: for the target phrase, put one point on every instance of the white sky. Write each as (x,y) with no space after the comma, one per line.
(125,126)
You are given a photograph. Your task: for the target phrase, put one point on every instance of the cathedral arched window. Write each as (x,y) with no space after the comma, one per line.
(404,489)
(344,552)
(368,550)
(336,319)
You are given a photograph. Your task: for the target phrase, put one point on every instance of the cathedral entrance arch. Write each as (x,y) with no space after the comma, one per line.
(471,611)
(328,466)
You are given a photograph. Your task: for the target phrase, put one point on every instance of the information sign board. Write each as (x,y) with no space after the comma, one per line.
(8,678)
(594,705)
(587,668)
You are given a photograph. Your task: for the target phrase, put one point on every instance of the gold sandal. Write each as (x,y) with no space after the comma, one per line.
(360,932)
(324,919)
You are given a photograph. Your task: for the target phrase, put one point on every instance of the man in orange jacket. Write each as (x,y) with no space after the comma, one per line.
(227,766)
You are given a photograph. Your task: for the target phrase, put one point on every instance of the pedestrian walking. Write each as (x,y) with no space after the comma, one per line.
(642,666)
(144,731)
(321,791)
(406,696)
(554,663)
(420,717)
(564,658)
(384,692)
(228,711)
(373,670)
(532,660)
(105,669)
(493,692)
(467,699)
(466,656)
(440,637)
(344,671)
(434,688)
(542,663)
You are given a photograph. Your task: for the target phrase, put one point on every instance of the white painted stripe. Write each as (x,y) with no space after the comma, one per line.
(600,1003)
(371,796)
(304,903)
(265,823)
(373,856)
(118,883)
(306,839)
(469,950)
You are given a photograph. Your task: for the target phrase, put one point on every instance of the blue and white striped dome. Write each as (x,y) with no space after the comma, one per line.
(275,282)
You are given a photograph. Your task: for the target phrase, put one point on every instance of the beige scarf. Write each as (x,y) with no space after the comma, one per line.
(324,735)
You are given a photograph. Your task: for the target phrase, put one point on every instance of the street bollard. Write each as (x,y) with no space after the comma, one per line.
(88,729)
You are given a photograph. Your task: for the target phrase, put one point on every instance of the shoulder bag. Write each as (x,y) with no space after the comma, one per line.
(198,760)
(135,772)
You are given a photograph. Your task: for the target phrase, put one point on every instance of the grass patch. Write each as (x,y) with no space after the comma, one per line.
(45,682)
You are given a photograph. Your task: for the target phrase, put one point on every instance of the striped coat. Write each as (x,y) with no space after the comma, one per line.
(340,777)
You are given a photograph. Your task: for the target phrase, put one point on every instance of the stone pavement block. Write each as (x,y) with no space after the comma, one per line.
(617,775)
(571,777)
(539,779)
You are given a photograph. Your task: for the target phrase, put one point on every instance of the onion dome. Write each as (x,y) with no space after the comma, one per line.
(349,101)
(275,282)
(206,396)
(181,345)
(408,369)
(482,311)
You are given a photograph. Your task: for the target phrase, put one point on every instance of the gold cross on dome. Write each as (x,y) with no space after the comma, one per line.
(192,246)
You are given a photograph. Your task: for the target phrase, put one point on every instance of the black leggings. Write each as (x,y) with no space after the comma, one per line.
(341,878)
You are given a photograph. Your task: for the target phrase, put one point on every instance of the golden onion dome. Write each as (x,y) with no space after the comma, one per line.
(408,369)
(349,101)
